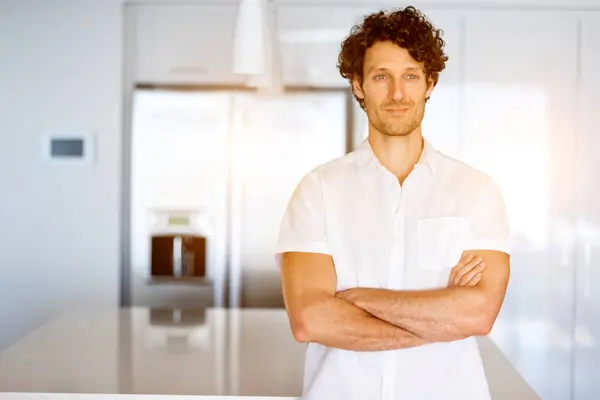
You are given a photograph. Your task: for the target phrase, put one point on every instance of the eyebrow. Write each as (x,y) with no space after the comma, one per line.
(407,69)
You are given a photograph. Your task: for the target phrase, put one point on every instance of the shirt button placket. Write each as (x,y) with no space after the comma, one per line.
(394,279)
(397,259)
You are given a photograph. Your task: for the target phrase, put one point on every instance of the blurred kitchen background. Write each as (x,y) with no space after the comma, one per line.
(135,133)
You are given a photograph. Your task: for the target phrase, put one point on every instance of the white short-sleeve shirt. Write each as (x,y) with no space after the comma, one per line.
(385,235)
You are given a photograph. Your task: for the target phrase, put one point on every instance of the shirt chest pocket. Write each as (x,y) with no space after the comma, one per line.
(441,241)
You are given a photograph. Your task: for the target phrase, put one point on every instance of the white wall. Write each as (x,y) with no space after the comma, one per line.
(59,225)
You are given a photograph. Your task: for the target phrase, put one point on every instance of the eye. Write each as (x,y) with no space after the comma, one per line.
(379,77)
(413,76)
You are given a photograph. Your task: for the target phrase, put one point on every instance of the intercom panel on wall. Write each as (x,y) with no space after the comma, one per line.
(68,148)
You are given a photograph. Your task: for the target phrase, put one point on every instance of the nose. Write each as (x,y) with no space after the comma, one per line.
(397,91)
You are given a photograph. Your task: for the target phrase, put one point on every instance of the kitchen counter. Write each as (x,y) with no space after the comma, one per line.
(207,354)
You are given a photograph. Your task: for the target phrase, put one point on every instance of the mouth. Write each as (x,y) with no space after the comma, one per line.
(397,110)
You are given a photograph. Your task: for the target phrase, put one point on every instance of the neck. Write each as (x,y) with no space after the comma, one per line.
(398,154)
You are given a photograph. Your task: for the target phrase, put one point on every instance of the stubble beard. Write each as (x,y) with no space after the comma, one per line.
(396,128)
(402,125)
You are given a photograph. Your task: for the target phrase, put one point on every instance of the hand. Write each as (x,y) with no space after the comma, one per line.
(467,272)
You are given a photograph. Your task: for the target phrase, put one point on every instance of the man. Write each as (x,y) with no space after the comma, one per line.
(393,257)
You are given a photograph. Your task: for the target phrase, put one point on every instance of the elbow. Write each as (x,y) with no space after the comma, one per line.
(481,322)
(475,325)
(300,322)
(483,326)
(300,333)
(308,319)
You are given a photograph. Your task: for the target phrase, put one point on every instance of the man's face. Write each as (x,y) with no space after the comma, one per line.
(394,89)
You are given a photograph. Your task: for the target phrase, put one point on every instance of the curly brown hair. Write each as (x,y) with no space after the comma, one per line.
(408,28)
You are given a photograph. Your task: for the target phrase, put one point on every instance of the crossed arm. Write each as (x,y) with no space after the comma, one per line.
(366,319)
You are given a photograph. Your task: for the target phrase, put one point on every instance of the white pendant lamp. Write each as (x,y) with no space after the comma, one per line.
(249,46)
(255,47)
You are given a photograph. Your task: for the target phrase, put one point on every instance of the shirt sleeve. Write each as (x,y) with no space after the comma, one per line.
(303,225)
(489,223)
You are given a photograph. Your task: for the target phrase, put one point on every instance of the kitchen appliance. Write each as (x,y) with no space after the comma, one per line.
(178,245)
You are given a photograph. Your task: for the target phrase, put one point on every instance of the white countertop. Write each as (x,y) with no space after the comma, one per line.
(246,353)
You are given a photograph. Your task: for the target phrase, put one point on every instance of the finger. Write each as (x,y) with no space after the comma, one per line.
(467,268)
(463,276)
(472,268)
(471,274)
(473,282)
(470,279)
(464,260)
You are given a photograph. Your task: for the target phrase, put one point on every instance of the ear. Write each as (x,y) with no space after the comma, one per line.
(429,88)
(357,88)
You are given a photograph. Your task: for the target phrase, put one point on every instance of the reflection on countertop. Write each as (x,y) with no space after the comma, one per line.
(206,352)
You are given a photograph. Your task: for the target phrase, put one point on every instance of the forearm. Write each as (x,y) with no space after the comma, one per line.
(436,315)
(333,322)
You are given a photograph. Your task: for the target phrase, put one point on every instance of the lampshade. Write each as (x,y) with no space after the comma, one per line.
(250,38)
(256,47)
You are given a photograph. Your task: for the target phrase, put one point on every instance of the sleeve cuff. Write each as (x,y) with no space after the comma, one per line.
(306,247)
(489,244)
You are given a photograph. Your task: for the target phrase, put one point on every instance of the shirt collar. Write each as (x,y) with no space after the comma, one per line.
(365,158)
